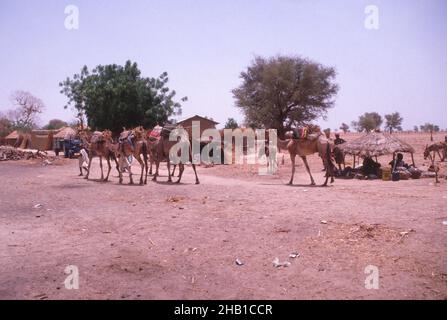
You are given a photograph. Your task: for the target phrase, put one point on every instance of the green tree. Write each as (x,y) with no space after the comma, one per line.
(369,121)
(231,124)
(430,127)
(55,124)
(416,129)
(285,91)
(393,121)
(113,97)
(344,127)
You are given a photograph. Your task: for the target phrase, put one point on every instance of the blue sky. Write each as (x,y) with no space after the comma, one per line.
(204,45)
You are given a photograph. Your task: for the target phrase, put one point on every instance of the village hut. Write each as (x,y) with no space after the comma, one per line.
(11,139)
(42,139)
(376,144)
(65,133)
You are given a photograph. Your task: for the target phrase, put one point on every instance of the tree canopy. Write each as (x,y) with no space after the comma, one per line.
(231,124)
(285,91)
(54,124)
(113,96)
(393,121)
(344,127)
(369,121)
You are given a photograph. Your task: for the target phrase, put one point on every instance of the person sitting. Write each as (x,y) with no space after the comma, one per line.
(370,167)
(398,162)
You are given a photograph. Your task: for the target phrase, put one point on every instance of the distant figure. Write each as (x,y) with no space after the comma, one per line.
(370,167)
(398,162)
(339,140)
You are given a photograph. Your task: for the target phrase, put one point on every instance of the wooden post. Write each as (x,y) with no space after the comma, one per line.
(353,166)
(412,159)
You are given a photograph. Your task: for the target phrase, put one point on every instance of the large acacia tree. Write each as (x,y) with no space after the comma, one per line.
(114,96)
(285,91)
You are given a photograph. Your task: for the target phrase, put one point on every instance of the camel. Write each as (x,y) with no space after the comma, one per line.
(135,146)
(101,145)
(159,151)
(316,142)
(435,148)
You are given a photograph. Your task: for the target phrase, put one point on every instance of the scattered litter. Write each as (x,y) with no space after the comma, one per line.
(174,199)
(38,206)
(294,255)
(239,262)
(444,222)
(323,221)
(305,190)
(47,162)
(278,264)
(190,249)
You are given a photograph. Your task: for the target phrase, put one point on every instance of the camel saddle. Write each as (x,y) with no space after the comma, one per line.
(97,137)
(303,133)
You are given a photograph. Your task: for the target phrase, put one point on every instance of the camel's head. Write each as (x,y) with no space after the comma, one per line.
(426,152)
(139,132)
(107,135)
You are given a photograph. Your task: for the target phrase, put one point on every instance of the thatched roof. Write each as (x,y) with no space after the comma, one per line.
(375,144)
(65,132)
(13,135)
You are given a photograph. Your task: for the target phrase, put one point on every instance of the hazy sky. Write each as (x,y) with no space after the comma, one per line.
(204,45)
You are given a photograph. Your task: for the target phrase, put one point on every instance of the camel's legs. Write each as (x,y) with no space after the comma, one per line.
(138,157)
(195,173)
(89,166)
(120,170)
(292,159)
(109,168)
(181,168)
(312,181)
(145,167)
(130,175)
(151,161)
(157,164)
(169,170)
(100,165)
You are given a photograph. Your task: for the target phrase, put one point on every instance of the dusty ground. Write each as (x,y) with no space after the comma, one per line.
(164,241)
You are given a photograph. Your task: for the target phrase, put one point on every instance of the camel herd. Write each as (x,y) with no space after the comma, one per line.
(138,145)
(145,149)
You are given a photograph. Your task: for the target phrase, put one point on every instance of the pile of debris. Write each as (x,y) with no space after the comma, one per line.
(11,153)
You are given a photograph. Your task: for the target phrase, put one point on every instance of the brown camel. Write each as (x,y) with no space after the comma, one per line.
(316,142)
(159,151)
(101,145)
(133,143)
(435,148)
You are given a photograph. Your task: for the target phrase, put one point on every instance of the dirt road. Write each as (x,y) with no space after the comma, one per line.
(164,241)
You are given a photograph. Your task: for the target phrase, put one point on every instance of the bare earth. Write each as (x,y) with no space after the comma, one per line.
(164,241)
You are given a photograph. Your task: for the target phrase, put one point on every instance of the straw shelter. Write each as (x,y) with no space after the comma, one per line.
(65,133)
(376,144)
(11,138)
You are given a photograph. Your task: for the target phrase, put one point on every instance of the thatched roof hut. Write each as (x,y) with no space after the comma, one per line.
(376,144)
(65,133)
